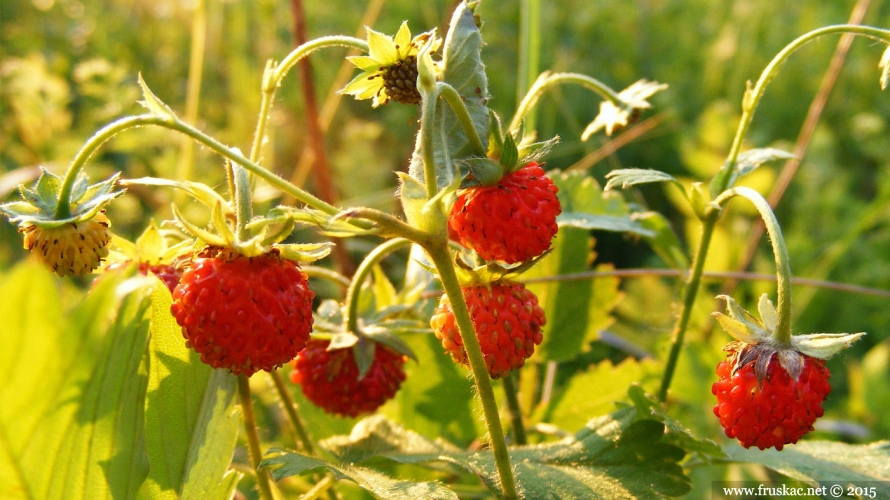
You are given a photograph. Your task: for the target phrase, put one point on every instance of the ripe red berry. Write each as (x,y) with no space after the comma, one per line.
(507,320)
(512,221)
(330,378)
(243,313)
(774,414)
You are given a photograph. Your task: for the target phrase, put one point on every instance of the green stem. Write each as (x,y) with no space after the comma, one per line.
(364,269)
(253,438)
(89,148)
(442,260)
(529,52)
(783,263)
(724,176)
(754,94)
(547,80)
(290,407)
(389,224)
(513,405)
(325,273)
(274,75)
(243,205)
(463,115)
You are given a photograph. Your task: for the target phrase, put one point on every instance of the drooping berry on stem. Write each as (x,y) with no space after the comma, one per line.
(507,320)
(330,378)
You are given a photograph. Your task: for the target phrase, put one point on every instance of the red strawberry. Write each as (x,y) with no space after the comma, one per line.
(507,320)
(243,313)
(512,221)
(330,379)
(775,412)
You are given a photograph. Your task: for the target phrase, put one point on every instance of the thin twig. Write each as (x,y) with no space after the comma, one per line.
(610,147)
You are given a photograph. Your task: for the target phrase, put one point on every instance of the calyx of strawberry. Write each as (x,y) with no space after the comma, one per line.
(756,340)
(233,225)
(505,155)
(39,206)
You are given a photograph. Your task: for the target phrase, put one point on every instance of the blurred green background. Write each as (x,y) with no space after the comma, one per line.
(67,67)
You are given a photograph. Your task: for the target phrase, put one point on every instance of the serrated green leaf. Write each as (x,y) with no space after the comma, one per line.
(614,456)
(818,462)
(191,420)
(601,222)
(153,104)
(625,178)
(649,407)
(379,485)
(750,160)
(462,68)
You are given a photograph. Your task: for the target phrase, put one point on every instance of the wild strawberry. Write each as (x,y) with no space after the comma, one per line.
(330,378)
(73,249)
(775,412)
(511,221)
(243,313)
(772,384)
(507,320)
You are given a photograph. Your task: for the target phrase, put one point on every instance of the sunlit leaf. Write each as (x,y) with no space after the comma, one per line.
(191,421)
(381,486)
(625,178)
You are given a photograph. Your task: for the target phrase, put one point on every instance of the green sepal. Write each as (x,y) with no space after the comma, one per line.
(200,233)
(495,135)
(744,327)
(383,335)
(152,103)
(40,204)
(304,252)
(479,172)
(199,191)
(534,151)
(510,153)
(363,352)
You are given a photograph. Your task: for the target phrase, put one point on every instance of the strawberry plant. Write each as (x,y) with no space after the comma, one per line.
(221,355)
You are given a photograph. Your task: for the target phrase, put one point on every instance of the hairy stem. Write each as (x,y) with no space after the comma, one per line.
(290,407)
(253,438)
(114,128)
(364,269)
(442,259)
(529,52)
(427,117)
(463,116)
(274,75)
(783,263)
(513,405)
(547,80)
